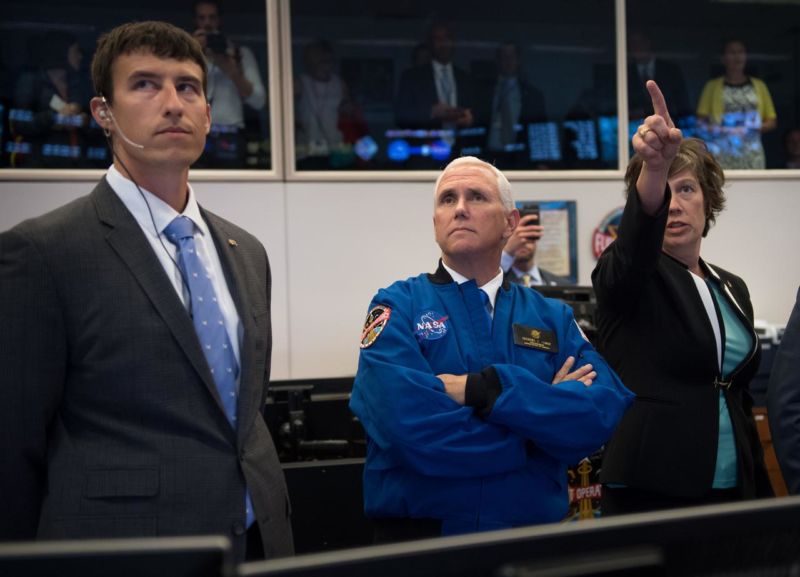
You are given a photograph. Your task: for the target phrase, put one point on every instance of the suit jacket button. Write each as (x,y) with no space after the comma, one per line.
(238,528)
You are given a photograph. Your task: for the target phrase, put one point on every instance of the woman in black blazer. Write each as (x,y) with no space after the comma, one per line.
(679,332)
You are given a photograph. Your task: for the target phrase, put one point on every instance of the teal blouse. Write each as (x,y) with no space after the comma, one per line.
(736,347)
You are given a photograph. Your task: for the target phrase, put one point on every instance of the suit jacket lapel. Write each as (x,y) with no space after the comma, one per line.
(127,239)
(689,300)
(234,269)
(728,289)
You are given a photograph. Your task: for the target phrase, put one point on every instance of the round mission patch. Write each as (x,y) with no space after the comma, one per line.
(373,326)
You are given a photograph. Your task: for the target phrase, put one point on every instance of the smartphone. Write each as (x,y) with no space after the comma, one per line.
(217,43)
(529,209)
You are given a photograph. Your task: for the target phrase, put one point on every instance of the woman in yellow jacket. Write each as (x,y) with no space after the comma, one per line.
(734,110)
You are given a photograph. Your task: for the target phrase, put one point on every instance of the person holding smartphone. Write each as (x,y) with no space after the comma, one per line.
(234,81)
(519,254)
(679,331)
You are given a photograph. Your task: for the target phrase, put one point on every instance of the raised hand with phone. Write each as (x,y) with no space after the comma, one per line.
(529,230)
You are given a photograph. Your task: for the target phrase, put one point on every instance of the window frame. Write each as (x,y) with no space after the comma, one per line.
(282,137)
(276,173)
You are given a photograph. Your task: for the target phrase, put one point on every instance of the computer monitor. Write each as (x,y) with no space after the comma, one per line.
(747,538)
(206,556)
(582,301)
(573,141)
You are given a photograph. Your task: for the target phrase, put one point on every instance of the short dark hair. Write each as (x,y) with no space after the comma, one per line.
(159,38)
(693,154)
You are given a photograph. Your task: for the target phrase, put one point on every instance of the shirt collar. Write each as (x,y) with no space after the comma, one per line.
(490,288)
(441,68)
(534,273)
(162,213)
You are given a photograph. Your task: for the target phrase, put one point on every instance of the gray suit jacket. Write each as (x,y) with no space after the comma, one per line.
(110,422)
(548,278)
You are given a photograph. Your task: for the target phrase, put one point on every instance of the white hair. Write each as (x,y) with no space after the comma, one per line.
(503,186)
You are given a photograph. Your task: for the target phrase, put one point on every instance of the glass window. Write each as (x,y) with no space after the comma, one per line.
(729,70)
(409,85)
(45,84)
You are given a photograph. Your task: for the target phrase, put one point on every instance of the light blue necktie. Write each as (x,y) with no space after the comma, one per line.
(209,323)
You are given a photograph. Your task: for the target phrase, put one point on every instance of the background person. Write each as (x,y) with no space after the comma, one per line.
(791,146)
(329,121)
(234,81)
(643,65)
(734,109)
(679,332)
(514,103)
(135,361)
(783,402)
(437,94)
(475,393)
(56,93)
(519,256)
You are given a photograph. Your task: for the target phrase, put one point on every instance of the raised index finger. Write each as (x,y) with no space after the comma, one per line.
(659,104)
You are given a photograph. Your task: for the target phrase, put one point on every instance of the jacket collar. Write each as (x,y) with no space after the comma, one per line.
(441,277)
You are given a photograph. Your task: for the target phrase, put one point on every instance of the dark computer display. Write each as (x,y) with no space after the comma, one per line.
(607,127)
(742,539)
(581,136)
(145,557)
(581,300)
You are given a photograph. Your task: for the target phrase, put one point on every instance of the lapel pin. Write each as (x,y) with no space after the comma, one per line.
(232,242)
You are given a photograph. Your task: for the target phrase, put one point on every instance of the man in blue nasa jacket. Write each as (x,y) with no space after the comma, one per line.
(474,405)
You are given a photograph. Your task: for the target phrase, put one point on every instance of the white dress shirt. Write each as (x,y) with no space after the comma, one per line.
(490,288)
(167,253)
(226,102)
(446,88)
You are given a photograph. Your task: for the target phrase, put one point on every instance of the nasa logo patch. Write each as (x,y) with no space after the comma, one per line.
(430,326)
(373,326)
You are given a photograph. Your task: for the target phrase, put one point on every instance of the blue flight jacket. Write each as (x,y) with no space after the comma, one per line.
(501,460)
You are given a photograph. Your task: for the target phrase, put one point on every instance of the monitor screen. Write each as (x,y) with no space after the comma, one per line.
(581,300)
(581,137)
(543,141)
(748,538)
(436,146)
(151,557)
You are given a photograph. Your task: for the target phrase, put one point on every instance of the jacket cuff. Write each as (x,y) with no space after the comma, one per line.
(482,390)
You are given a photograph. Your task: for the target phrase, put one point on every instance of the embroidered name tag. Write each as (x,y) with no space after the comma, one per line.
(535,338)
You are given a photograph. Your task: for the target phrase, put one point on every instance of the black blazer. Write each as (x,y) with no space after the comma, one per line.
(783,402)
(110,421)
(416,94)
(654,331)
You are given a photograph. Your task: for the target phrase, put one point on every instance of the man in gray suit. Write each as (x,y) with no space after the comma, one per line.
(112,421)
